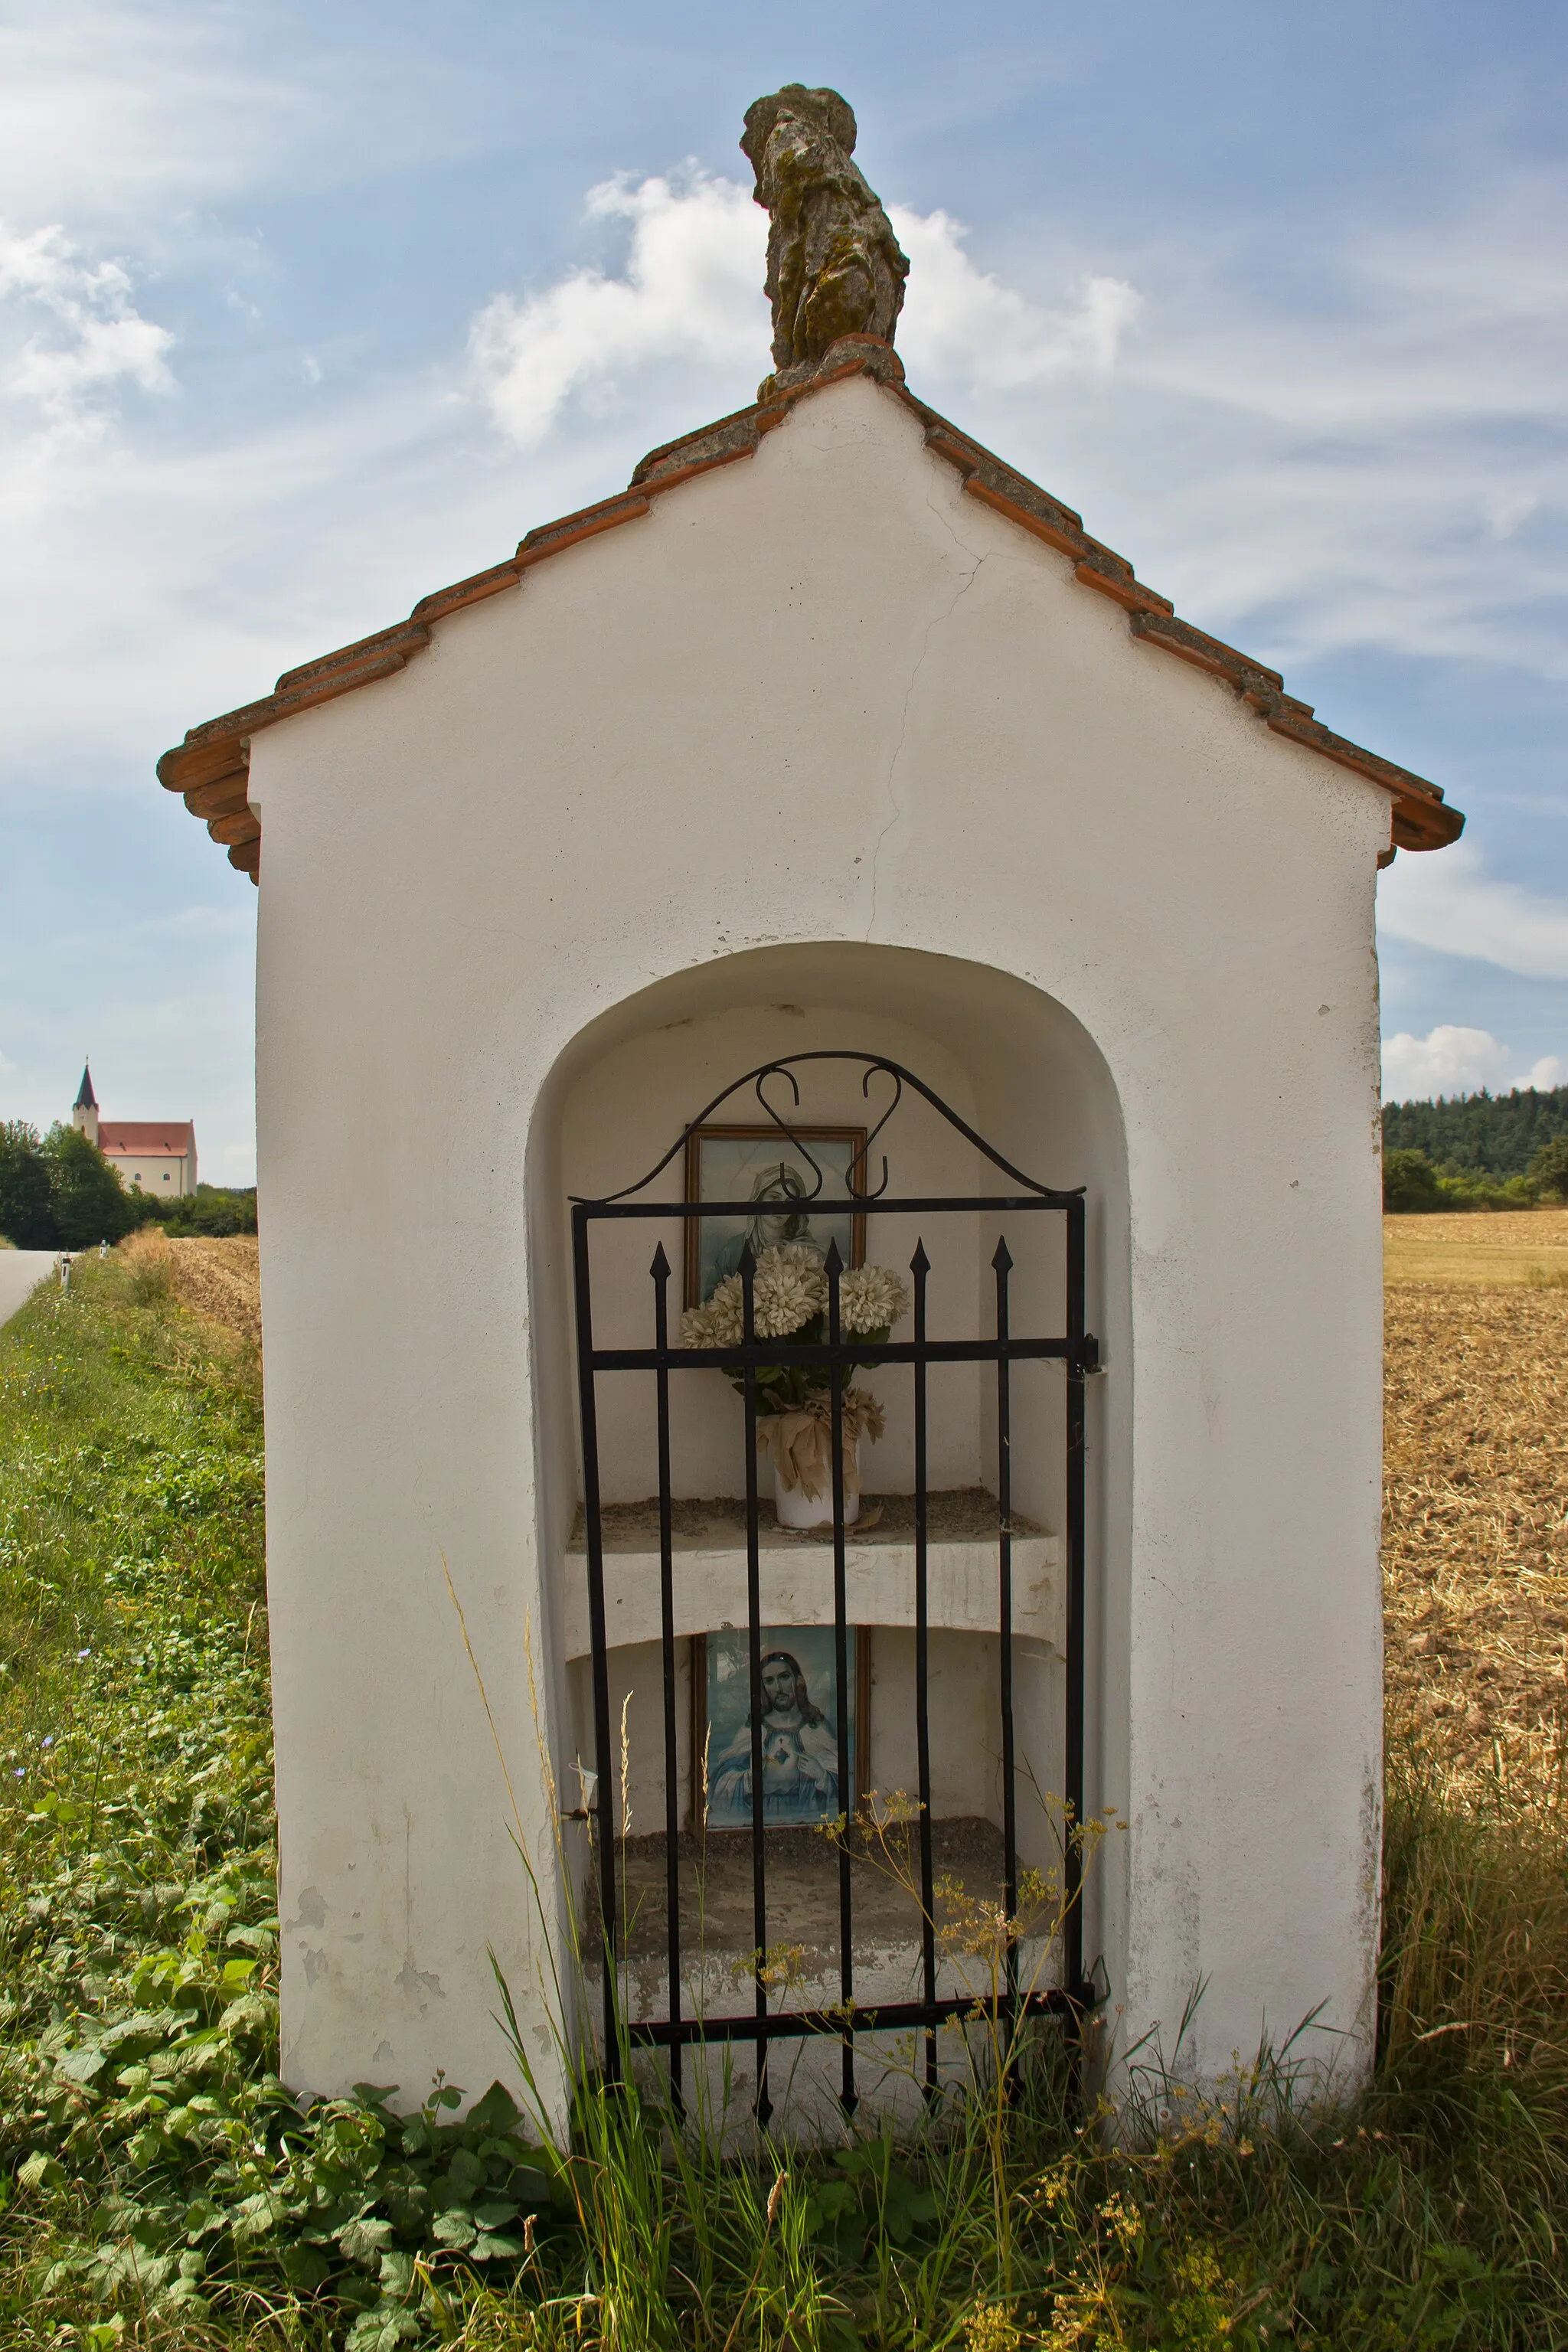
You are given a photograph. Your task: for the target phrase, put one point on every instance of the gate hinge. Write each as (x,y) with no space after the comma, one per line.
(1088,1354)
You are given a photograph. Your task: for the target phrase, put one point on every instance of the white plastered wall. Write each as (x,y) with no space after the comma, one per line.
(167,1177)
(819,696)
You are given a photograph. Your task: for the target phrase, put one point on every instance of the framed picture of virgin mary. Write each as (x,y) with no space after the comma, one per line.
(802,1704)
(775,1175)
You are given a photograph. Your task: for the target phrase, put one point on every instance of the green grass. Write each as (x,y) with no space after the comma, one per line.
(163,2188)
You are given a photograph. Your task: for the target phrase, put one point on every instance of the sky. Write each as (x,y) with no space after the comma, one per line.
(306,310)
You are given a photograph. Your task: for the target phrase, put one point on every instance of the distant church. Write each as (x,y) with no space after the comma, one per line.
(151,1155)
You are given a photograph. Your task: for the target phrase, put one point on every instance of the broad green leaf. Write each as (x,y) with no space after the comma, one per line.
(490,2248)
(493,2212)
(397,2275)
(81,2065)
(465,2172)
(305,2268)
(496,2113)
(362,2242)
(382,2331)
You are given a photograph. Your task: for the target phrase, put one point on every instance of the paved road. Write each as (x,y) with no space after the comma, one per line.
(20,1270)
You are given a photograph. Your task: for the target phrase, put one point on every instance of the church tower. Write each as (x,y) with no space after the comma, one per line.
(84,1110)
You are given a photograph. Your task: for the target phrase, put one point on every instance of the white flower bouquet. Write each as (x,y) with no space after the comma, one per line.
(794,1402)
(789,1301)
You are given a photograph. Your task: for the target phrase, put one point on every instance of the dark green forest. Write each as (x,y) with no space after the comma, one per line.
(1494,1135)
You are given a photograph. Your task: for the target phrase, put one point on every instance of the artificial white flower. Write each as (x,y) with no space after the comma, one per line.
(871,1299)
(789,1290)
(708,1325)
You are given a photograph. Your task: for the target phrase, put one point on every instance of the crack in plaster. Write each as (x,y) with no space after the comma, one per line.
(895,805)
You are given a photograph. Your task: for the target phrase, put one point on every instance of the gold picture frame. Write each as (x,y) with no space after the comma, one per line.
(760,1164)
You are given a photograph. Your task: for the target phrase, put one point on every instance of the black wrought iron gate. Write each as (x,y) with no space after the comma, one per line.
(1077,1351)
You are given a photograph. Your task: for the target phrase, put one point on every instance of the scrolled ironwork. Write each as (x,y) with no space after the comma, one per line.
(873,1066)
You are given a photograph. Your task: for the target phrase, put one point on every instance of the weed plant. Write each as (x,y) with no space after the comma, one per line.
(163,2188)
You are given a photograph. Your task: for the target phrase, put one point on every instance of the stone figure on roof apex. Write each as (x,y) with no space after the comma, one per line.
(834,266)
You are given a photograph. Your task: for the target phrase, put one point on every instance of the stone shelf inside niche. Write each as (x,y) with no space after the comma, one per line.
(710,1570)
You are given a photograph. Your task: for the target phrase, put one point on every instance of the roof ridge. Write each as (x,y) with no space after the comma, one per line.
(210,767)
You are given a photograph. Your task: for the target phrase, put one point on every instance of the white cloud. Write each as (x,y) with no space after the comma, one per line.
(1378,462)
(87,335)
(1364,451)
(1445,899)
(103,106)
(1447,1061)
(963,324)
(147,113)
(1454,1061)
(691,292)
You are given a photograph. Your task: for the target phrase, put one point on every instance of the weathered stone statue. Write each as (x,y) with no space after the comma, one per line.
(834,266)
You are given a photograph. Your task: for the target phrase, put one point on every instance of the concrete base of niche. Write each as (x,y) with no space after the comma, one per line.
(717,1958)
(709,1563)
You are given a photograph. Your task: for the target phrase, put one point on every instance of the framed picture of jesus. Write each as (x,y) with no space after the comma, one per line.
(802,1706)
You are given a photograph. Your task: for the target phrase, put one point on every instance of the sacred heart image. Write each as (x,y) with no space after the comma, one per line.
(799,1725)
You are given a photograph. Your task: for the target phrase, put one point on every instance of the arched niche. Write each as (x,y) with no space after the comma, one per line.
(1020,1070)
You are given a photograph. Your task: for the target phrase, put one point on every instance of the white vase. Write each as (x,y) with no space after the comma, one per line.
(797,1509)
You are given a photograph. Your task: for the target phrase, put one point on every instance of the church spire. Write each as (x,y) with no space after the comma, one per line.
(84,1110)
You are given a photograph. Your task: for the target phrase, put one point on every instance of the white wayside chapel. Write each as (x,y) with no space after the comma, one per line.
(832,737)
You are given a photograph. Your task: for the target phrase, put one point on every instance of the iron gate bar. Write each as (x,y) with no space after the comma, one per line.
(878,2017)
(919,1266)
(781,1351)
(834,1265)
(1003,1203)
(1003,1264)
(660,1271)
(755,1654)
(1082,1352)
(1078,1350)
(603,1805)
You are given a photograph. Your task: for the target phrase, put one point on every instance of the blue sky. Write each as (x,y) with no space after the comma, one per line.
(306,310)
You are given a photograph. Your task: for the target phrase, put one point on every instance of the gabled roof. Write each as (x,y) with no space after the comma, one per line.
(210,767)
(85,1097)
(134,1138)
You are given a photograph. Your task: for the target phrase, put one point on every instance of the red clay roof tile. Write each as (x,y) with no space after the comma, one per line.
(136,1136)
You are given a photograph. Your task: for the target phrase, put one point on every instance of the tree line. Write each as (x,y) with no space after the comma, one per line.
(1496,1136)
(1477,1151)
(59,1191)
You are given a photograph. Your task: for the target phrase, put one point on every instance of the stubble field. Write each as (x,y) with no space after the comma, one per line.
(1475,1496)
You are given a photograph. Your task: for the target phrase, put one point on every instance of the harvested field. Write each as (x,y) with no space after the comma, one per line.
(219,1280)
(1528,1247)
(1476,1522)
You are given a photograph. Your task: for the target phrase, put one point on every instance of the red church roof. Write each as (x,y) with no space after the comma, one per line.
(134,1138)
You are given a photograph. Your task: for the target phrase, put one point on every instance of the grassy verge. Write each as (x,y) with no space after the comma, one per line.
(163,2189)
